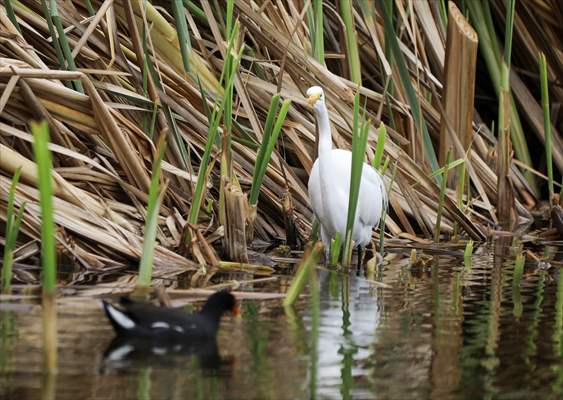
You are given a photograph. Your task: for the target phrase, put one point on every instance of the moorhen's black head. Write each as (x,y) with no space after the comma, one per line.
(219,303)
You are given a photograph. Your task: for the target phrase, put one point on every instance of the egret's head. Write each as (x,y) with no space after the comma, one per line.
(315,97)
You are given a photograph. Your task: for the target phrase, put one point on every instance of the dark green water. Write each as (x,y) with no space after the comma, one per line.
(444,331)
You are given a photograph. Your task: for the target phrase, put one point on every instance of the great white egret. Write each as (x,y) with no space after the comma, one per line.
(329,185)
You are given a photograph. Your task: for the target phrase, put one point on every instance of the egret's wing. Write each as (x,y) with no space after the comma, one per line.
(373,196)
(314,188)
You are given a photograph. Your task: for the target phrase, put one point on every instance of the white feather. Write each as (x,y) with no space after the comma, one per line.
(120,318)
(119,353)
(160,324)
(329,187)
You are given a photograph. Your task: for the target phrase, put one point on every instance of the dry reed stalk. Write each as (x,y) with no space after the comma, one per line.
(236,205)
(103,157)
(459,81)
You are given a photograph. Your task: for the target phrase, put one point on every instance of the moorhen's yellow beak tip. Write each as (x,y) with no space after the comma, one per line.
(312,99)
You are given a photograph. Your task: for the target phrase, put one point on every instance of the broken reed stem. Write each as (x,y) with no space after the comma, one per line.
(310,259)
(459,84)
(236,205)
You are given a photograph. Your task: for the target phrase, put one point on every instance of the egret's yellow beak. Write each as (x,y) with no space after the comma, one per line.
(312,99)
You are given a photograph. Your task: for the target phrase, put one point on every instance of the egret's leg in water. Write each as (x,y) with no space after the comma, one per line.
(361,256)
(326,243)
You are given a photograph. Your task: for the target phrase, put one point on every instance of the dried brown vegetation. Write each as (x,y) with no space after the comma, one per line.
(107,110)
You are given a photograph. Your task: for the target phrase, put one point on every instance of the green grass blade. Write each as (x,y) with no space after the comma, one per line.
(385,210)
(212,134)
(310,260)
(359,142)
(268,126)
(151,221)
(12,229)
(468,254)
(489,47)
(183,34)
(67,53)
(90,8)
(508,31)
(546,123)
(229,18)
(318,44)
(335,247)
(265,154)
(12,15)
(346,13)
(391,39)
(437,229)
(381,137)
(53,35)
(195,10)
(44,167)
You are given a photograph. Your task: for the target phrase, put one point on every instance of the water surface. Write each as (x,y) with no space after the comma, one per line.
(440,331)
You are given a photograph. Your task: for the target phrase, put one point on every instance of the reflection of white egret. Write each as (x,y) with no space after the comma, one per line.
(329,185)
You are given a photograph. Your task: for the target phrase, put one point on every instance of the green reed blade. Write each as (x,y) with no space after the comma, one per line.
(151,220)
(179,145)
(255,188)
(229,18)
(212,131)
(437,229)
(315,230)
(90,8)
(385,208)
(359,142)
(468,254)
(183,34)
(489,47)
(318,32)
(67,53)
(310,260)
(346,13)
(335,247)
(12,228)
(546,123)
(12,15)
(448,166)
(42,154)
(443,14)
(315,323)
(381,137)
(266,150)
(53,35)
(391,39)
(195,10)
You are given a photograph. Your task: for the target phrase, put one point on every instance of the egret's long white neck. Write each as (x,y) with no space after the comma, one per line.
(325,137)
(325,147)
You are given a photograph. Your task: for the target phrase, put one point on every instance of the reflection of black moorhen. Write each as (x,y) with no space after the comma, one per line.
(145,320)
(133,351)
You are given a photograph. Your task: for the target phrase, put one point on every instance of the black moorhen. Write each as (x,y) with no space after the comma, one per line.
(144,320)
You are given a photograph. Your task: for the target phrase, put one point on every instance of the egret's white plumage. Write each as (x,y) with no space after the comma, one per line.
(329,185)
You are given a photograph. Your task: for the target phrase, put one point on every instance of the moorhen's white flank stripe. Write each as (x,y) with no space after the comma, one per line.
(160,324)
(122,320)
(120,353)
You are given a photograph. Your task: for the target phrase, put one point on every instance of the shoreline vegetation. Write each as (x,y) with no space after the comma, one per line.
(192,115)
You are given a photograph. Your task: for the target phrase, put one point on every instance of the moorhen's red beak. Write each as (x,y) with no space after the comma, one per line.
(235,310)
